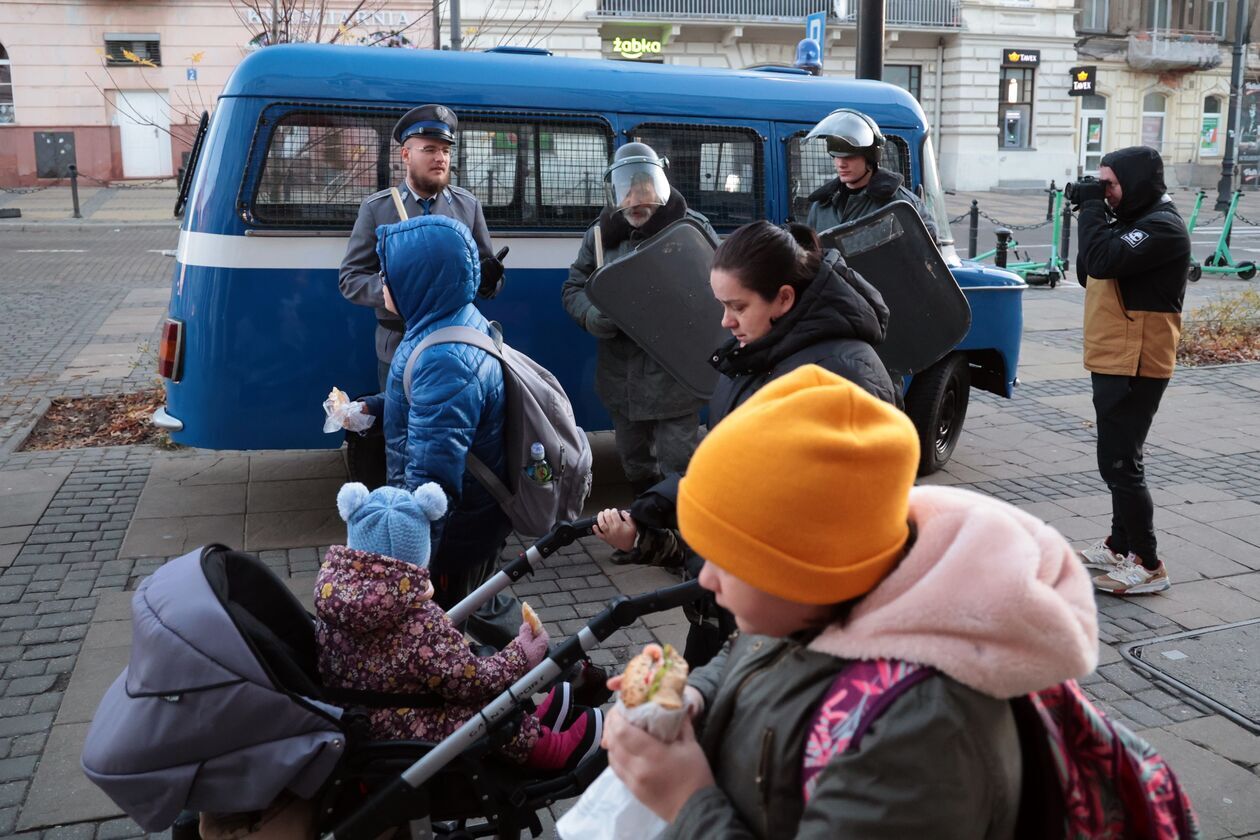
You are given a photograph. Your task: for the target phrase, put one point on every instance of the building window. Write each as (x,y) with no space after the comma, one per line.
(1210,134)
(1216,20)
(1094,15)
(1153,121)
(904,76)
(1015,101)
(1158,14)
(7,116)
(145,47)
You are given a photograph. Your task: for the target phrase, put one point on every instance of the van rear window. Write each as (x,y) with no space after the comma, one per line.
(718,169)
(809,167)
(529,171)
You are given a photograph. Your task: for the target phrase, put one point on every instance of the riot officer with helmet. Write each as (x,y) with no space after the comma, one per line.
(427,136)
(861,187)
(656,419)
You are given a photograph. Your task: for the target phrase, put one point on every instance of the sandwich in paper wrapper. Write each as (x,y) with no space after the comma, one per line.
(651,698)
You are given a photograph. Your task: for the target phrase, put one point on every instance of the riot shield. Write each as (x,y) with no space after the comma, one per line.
(659,295)
(929,314)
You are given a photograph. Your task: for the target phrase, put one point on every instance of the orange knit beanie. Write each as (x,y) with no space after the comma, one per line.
(803,491)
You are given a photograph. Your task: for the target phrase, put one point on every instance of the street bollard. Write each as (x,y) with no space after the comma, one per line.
(1066,239)
(74,189)
(1003,237)
(974,230)
(1050,202)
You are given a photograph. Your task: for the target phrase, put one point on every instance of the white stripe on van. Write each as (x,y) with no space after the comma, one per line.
(213,250)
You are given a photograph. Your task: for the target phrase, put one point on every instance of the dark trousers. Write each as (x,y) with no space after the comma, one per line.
(1125,407)
(467,557)
(652,449)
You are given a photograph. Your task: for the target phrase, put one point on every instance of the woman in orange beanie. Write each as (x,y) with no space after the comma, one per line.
(837,562)
(787,303)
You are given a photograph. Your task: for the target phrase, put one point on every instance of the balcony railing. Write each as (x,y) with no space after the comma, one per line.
(899,14)
(1169,49)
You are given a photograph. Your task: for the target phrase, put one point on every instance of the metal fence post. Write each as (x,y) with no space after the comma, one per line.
(1050,202)
(1003,237)
(973,229)
(74,189)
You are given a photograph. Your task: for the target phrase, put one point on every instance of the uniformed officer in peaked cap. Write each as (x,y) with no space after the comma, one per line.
(426,135)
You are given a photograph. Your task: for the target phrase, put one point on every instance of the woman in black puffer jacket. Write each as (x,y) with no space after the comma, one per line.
(787,303)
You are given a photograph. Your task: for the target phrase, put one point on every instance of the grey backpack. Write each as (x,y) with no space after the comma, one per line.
(538,410)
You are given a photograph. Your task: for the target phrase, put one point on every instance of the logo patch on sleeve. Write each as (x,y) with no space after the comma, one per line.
(1135,237)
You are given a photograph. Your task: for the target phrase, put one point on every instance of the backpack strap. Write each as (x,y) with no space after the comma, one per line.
(492,345)
(860,693)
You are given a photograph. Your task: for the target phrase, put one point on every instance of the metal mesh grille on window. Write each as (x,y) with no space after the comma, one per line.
(717,169)
(534,173)
(319,166)
(809,167)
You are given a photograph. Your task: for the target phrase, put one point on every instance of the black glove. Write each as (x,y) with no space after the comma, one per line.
(492,275)
(1088,191)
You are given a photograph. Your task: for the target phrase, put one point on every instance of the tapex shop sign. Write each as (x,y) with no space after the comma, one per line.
(1083,79)
(1013,57)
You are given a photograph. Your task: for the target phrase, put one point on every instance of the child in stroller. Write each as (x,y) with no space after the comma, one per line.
(379,630)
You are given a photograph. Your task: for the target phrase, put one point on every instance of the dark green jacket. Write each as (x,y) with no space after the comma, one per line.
(627,379)
(942,762)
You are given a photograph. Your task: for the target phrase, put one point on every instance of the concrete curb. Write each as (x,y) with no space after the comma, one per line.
(80,225)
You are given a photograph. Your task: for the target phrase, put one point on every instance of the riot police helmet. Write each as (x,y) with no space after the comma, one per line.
(848,132)
(636,177)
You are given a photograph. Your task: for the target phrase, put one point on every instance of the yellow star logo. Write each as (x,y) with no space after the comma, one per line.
(1083,76)
(1014,56)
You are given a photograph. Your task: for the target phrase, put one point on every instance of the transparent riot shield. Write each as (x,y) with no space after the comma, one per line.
(929,314)
(659,295)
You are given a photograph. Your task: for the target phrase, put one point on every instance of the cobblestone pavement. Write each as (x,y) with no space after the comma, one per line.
(64,516)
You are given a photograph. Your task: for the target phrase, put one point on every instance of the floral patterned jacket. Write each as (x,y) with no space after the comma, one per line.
(378,629)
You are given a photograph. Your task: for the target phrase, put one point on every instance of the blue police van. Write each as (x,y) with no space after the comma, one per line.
(258,331)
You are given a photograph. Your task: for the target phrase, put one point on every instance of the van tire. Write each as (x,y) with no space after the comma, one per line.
(937,404)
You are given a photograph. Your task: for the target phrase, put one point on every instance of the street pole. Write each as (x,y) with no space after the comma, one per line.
(1242,25)
(870,45)
(275,24)
(437,24)
(457,40)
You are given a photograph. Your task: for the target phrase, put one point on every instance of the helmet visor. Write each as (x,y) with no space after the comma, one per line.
(845,133)
(635,184)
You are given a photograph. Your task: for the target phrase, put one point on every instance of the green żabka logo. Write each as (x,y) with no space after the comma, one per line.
(635,47)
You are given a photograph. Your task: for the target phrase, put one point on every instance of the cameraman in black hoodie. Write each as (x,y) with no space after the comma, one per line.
(1132,262)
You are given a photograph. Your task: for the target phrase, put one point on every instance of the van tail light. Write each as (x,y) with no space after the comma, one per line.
(171,350)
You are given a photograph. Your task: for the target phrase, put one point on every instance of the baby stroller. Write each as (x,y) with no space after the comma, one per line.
(221,710)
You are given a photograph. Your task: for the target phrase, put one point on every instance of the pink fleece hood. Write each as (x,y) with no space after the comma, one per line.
(988,594)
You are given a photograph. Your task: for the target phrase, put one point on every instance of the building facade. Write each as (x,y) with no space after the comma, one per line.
(1161,73)
(117,86)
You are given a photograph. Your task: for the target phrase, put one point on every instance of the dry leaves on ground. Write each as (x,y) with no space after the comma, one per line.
(1225,331)
(111,420)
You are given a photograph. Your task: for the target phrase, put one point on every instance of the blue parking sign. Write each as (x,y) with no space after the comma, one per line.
(816,26)
(191,74)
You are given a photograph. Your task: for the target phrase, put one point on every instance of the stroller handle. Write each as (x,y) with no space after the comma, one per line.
(561,534)
(391,805)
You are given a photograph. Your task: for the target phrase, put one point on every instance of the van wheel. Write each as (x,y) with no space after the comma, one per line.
(937,404)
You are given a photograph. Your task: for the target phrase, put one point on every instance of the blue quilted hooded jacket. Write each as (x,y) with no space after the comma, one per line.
(430,265)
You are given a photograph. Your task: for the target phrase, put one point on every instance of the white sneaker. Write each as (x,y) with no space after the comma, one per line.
(1132,578)
(1100,556)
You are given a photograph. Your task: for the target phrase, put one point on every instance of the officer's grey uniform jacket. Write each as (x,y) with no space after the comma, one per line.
(360,278)
(627,379)
(833,203)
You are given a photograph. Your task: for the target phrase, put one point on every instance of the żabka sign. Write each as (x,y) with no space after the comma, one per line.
(635,47)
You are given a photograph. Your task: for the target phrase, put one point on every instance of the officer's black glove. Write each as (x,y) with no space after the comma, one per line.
(1088,190)
(492,275)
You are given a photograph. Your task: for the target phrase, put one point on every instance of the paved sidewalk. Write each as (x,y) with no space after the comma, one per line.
(80,528)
